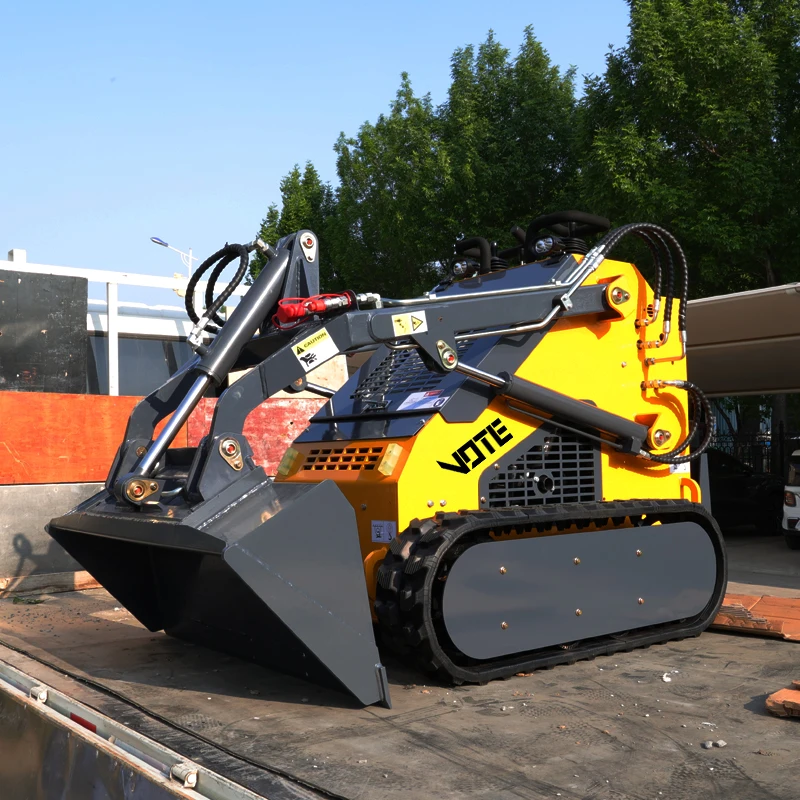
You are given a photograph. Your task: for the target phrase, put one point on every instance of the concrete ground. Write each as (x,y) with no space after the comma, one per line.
(760,564)
(624,727)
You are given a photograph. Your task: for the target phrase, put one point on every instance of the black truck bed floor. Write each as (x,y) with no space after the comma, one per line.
(608,729)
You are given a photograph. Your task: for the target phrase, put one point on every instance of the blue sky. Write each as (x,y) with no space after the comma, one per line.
(122,121)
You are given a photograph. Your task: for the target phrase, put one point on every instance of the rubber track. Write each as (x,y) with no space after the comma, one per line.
(409,590)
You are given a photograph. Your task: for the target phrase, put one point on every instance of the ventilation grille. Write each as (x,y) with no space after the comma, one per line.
(558,470)
(400,372)
(337,458)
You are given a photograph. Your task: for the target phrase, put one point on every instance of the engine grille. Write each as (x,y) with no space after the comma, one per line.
(400,372)
(337,458)
(557,469)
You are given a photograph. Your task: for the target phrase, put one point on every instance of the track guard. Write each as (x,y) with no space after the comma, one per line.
(268,572)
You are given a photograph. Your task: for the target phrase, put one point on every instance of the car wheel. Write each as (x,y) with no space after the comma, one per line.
(792,542)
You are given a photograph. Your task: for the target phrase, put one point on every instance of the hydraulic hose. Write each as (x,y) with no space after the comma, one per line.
(660,239)
(701,402)
(672,246)
(224,256)
(484,252)
(653,245)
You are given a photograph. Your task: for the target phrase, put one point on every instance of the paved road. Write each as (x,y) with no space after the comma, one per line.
(762,565)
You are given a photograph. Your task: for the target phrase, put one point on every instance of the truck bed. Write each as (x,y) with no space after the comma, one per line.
(609,728)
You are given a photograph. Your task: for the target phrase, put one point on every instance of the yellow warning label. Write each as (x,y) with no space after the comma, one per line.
(406,324)
(315,349)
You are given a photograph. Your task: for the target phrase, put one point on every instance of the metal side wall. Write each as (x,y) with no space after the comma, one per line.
(25,548)
(53,747)
(43,759)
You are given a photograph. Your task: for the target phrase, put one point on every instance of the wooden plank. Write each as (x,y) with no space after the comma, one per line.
(49,583)
(784,607)
(73,438)
(62,438)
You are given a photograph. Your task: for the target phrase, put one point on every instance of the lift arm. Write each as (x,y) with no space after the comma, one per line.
(432,324)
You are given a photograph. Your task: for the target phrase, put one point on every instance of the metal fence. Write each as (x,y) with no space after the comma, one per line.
(762,452)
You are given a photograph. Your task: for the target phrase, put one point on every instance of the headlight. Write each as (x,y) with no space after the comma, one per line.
(789,499)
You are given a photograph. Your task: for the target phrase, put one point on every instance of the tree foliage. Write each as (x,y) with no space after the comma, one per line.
(307,202)
(498,150)
(392,177)
(695,124)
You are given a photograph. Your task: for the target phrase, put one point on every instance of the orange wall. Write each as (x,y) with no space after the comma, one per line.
(72,438)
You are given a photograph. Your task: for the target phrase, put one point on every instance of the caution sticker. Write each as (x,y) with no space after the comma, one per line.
(408,324)
(315,349)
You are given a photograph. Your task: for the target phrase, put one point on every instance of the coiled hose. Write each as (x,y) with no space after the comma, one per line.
(666,251)
(221,259)
(701,402)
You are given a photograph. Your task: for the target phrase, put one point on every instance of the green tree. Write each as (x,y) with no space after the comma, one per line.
(693,126)
(497,152)
(393,176)
(306,202)
(508,127)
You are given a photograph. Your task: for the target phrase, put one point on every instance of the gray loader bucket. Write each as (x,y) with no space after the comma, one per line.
(268,572)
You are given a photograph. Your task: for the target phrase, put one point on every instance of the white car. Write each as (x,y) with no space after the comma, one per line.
(791,504)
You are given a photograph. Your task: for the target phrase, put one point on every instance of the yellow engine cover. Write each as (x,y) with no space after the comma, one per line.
(596,358)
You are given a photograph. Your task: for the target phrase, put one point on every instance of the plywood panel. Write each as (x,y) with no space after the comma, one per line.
(270,428)
(62,438)
(764,616)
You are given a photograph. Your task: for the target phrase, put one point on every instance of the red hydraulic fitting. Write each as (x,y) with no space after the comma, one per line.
(292,309)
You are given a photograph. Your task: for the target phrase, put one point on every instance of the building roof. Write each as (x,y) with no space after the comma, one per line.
(746,343)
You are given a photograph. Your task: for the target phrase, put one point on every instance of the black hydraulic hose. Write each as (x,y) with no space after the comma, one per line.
(701,402)
(612,239)
(258,304)
(484,250)
(670,262)
(211,285)
(685,293)
(670,282)
(655,251)
(224,256)
(518,233)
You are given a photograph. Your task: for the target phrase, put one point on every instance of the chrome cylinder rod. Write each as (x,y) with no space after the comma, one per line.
(174,424)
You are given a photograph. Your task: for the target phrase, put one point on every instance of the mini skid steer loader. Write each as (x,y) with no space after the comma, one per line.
(505,484)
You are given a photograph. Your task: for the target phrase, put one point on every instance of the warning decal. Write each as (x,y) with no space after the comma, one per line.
(408,324)
(383,530)
(432,399)
(315,349)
